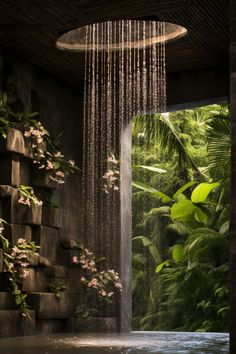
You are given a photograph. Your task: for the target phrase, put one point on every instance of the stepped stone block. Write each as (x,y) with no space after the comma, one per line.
(24,214)
(14,142)
(51,326)
(16,213)
(96,324)
(25,169)
(57,272)
(48,240)
(12,324)
(6,191)
(68,244)
(10,170)
(15,231)
(47,306)
(66,257)
(7,301)
(35,260)
(51,217)
(41,179)
(35,281)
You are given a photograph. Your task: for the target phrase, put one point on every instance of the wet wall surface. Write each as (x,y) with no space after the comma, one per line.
(133,343)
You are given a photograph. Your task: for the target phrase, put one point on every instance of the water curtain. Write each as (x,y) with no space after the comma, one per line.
(121,80)
(125,75)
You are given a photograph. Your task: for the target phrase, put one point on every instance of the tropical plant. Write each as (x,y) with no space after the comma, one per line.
(16,262)
(174,230)
(57,288)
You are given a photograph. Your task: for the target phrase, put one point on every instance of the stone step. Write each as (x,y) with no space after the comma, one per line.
(48,240)
(7,301)
(16,213)
(15,231)
(14,142)
(95,325)
(47,306)
(51,326)
(51,217)
(12,324)
(10,170)
(41,179)
(57,272)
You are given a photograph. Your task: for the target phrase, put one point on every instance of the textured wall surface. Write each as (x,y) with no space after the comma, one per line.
(233,178)
(60,110)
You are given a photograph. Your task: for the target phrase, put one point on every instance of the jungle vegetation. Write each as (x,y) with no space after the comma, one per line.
(180,165)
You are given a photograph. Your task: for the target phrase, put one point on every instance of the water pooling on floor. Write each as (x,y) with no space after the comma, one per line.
(133,343)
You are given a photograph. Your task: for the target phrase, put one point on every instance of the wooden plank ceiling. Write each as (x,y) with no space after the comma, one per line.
(30,28)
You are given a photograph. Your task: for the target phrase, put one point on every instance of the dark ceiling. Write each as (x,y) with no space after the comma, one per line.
(30,28)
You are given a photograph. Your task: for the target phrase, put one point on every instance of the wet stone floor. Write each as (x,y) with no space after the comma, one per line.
(133,343)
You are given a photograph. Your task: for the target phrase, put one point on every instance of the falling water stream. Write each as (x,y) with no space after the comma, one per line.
(124,76)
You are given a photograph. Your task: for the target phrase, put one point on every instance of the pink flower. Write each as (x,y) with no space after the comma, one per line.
(58,154)
(60,174)
(104,293)
(21,241)
(82,279)
(110,294)
(74,259)
(49,165)
(93,283)
(118,285)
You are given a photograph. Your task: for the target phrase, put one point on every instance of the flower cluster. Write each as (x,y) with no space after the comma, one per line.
(111,177)
(27,196)
(46,154)
(16,264)
(104,283)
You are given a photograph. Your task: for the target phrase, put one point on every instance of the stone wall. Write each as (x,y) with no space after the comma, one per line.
(60,109)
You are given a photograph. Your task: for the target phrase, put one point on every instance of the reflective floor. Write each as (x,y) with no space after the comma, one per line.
(133,343)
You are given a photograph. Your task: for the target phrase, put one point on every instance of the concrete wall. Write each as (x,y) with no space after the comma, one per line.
(60,109)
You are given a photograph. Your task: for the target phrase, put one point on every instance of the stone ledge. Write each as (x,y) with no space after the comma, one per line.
(15,231)
(47,306)
(57,272)
(95,325)
(35,260)
(10,170)
(41,179)
(48,240)
(12,324)
(7,301)
(51,217)
(51,326)
(14,142)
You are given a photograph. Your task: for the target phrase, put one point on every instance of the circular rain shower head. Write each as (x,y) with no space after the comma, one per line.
(122,34)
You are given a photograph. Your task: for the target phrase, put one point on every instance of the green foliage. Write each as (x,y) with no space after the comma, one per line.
(57,288)
(186,288)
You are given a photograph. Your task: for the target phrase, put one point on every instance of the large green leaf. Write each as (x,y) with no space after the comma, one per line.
(183,210)
(139,258)
(183,188)
(159,195)
(201,192)
(178,253)
(144,239)
(143,186)
(155,253)
(161,266)
(152,168)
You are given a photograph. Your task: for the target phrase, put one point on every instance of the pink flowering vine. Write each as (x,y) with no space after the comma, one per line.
(112,175)
(104,283)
